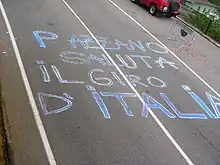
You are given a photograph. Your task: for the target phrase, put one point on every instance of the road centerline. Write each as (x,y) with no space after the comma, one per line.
(181,61)
(132,87)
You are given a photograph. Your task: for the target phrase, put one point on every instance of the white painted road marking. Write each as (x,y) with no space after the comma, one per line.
(132,87)
(36,114)
(142,27)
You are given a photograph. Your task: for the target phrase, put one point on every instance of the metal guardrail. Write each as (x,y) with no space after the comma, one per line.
(206,24)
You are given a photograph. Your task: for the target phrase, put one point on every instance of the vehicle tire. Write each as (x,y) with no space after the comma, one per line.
(153,9)
(135,1)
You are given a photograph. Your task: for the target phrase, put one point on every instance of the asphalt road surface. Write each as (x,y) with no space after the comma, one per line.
(86,84)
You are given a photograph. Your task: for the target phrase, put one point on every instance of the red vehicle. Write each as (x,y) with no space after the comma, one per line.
(168,7)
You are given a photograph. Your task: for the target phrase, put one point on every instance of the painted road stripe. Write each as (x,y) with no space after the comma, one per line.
(132,87)
(142,27)
(35,111)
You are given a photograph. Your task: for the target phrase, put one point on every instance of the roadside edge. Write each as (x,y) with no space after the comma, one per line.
(199,32)
(4,146)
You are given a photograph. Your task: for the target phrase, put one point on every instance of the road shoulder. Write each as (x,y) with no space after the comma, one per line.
(24,143)
(4,156)
(4,159)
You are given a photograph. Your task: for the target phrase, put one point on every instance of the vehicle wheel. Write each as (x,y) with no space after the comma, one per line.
(135,1)
(153,9)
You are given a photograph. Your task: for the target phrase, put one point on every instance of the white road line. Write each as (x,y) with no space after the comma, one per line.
(142,27)
(132,87)
(36,114)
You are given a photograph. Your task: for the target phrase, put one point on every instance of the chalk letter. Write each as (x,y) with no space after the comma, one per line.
(151,103)
(99,101)
(138,45)
(119,44)
(133,66)
(45,73)
(118,78)
(101,104)
(157,51)
(199,101)
(179,114)
(103,41)
(163,61)
(143,59)
(94,80)
(42,99)
(84,41)
(120,98)
(72,57)
(61,80)
(163,84)
(214,104)
(44,35)
(107,60)
(135,80)
(99,59)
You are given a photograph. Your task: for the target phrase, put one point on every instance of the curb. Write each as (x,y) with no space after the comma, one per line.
(201,33)
(4,159)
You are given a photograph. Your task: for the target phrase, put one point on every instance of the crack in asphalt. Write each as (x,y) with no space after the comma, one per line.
(210,143)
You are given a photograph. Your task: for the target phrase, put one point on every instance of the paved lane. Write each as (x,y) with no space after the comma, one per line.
(204,61)
(90,114)
(22,126)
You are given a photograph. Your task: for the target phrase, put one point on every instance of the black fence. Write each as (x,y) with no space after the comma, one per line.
(207,24)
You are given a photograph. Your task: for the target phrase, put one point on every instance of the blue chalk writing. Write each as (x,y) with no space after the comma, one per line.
(43,96)
(103,41)
(68,96)
(61,80)
(138,45)
(199,101)
(151,103)
(90,42)
(101,104)
(120,97)
(178,113)
(202,105)
(44,35)
(119,45)
(90,88)
(82,40)
(87,42)
(186,88)
(215,105)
